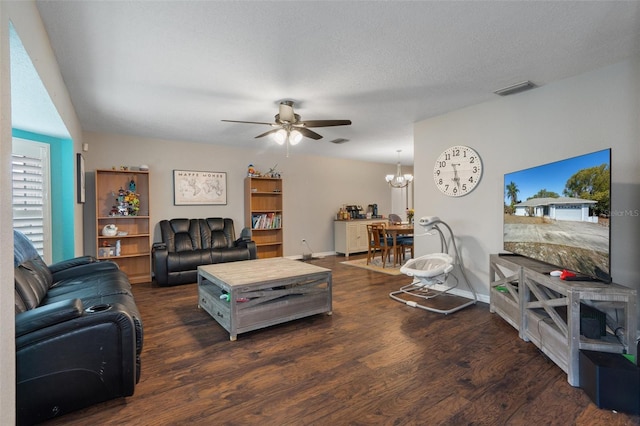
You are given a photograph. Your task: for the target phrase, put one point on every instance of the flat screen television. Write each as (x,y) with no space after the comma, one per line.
(558,213)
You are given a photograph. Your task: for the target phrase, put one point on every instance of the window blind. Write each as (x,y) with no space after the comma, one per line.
(28,198)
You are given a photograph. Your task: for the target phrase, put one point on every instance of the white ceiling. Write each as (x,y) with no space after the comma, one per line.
(174,69)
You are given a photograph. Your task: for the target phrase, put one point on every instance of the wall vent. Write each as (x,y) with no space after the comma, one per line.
(339,140)
(516,88)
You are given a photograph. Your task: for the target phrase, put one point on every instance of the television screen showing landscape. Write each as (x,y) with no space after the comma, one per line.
(558,213)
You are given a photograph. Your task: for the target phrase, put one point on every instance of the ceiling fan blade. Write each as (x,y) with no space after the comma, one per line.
(267,133)
(286,112)
(325,123)
(249,122)
(308,133)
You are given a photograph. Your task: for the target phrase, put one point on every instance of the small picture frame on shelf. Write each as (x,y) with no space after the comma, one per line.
(106,251)
(192,187)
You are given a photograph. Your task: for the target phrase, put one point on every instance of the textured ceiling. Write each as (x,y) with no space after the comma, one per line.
(174,69)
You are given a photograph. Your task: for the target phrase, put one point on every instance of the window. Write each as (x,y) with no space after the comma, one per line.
(31,204)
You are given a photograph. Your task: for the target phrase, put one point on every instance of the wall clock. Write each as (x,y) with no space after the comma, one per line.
(457,171)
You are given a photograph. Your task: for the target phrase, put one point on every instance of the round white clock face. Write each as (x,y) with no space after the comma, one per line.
(457,171)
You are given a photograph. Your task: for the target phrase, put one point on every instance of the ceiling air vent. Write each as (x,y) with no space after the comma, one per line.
(516,88)
(340,140)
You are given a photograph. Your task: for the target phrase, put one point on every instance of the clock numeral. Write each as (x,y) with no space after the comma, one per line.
(472,160)
(456,152)
(442,164)
(438,172)
(440,181)
(470,179)
(464,186)
(447,156)
(475,169)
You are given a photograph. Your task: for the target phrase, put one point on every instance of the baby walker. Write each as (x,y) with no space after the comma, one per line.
(431,270)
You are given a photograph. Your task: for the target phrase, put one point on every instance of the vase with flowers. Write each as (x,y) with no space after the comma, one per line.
(410,215)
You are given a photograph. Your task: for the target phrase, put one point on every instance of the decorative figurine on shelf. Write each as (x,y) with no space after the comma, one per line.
(127,202)
(251,171)
(110,230)
(132,201)
(273,173)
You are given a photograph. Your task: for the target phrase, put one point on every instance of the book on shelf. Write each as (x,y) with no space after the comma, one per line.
(266,221)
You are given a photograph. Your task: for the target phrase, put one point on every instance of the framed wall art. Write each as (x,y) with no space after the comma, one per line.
(191,188)
(80,178)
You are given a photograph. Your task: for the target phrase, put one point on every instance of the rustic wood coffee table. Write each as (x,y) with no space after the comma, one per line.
(253,294)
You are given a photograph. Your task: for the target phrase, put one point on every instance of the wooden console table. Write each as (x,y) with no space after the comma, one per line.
(262,292)
(546,310)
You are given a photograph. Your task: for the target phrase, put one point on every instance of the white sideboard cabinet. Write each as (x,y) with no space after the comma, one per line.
(350,236)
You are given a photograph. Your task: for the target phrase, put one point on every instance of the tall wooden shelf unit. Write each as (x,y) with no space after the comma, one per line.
(547,310)
(135,246)
(263,214)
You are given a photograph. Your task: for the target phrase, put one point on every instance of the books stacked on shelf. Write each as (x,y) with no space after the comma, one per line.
(266,221)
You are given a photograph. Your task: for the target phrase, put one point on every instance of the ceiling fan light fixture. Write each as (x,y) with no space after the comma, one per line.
(289,128)
(295,137)
(280,136)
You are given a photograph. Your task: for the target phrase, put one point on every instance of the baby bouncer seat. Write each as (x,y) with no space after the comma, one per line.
(432,276)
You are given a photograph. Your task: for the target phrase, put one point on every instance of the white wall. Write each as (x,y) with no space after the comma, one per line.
(593,111)
(314,188)
(27,22)
(7,316)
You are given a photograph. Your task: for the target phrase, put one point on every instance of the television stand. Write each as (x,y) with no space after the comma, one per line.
(536,304)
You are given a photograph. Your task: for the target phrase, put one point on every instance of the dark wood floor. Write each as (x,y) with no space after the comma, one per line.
(373,362)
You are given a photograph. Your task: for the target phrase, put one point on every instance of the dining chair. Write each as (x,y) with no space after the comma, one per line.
(378,241)
(406,243)
(395,219)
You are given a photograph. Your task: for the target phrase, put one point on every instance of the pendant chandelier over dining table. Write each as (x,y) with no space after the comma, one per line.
(399,180)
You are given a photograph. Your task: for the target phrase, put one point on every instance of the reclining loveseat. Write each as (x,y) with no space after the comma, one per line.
(78,334)
(189,243)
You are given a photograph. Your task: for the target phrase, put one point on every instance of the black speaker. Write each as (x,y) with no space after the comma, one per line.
(611,381)
(590,327)
(593,323)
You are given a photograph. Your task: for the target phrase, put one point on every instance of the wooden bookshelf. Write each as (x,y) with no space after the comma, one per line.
(263,214)
(135,247)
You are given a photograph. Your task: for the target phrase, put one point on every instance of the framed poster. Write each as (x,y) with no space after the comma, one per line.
(80,186)
(192,188)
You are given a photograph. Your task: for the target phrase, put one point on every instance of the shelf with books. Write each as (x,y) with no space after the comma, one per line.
(264,215)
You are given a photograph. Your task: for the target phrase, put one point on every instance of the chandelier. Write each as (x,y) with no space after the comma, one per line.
(399,180)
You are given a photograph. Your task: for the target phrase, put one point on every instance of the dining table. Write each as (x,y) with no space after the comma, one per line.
(393,230)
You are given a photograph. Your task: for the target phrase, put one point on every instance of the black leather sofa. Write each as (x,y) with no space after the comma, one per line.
(78,334)
(189,243)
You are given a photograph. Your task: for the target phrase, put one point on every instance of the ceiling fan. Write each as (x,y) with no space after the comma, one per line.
(290,128)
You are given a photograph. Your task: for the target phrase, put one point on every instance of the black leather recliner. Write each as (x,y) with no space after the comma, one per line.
(78,334)
(189,243)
